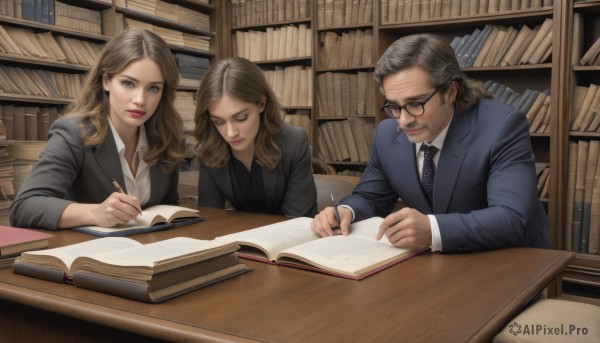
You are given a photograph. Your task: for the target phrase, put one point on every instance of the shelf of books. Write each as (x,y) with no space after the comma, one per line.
(47,46)
(346,107)
(582,124)
(278,36)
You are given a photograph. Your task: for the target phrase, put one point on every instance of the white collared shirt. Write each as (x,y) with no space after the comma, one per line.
(138,185)
(438,142)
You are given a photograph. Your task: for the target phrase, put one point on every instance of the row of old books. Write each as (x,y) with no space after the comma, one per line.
(348,49)
(274,43)
(170,11)
(592,55)
(347,140)
(495,45)
(292,85)
(583,197)
(259,12)
(535,104)
(346,94)
(41,11)
(185,104)
(54,13)
(191,66)
(174,37)
(44,45)
(586,106)
(16,161)
(542,171)
(28,122)
(336,13)
(17,158)
(398,11)
(39,82)
(78,18)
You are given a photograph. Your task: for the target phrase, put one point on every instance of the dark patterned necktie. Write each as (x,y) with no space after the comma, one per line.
(428,175)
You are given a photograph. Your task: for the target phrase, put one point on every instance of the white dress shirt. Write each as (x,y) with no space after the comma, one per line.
(138,185)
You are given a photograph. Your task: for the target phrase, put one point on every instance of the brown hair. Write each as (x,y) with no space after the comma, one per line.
(164,130)
(434,55)
(244,80)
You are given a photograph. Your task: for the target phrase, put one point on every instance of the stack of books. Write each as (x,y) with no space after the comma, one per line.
(14,241)
(123,267)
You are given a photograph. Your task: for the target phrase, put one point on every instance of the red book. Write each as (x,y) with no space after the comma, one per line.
(14,241)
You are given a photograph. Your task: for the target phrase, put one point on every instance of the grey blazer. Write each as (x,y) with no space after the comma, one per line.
(70,172)
(290,184)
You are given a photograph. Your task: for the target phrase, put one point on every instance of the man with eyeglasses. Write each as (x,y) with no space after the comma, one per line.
(461,162)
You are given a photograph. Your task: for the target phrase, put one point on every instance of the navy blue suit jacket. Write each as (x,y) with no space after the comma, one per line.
(485,193)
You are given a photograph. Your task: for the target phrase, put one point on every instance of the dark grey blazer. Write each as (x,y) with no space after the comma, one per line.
(291,184)
(70,172)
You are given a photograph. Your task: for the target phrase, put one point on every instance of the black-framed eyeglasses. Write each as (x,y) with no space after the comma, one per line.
(415,108)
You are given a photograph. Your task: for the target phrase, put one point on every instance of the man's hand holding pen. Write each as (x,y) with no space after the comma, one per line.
(326,223)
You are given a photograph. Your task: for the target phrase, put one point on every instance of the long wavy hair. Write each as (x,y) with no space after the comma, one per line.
(434,55)
(244,80)
(164,130)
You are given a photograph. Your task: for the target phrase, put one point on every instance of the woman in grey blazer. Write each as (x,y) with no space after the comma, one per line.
(248,156)
(123,132)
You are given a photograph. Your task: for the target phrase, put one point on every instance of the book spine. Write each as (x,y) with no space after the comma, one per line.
(48,274)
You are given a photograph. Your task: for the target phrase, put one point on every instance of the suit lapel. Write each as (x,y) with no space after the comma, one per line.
(450,161)
(108,160)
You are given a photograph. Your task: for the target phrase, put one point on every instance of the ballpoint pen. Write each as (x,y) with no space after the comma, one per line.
(337,214)
(117,186)
(121,190)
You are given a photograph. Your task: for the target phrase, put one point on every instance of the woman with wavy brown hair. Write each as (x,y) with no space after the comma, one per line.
(122,132)
(248,156)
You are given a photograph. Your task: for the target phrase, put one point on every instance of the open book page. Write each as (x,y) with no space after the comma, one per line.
(274,238)
(63,257)
(149,217)
(355,254)
(141,262)
(166,213)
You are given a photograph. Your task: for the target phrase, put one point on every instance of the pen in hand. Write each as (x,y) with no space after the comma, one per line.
(337,214)
(122,191)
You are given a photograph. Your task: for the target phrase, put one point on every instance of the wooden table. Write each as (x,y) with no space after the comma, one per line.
(431,297)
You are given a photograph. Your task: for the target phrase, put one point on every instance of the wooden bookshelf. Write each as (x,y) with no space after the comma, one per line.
(112,18)
(278,37)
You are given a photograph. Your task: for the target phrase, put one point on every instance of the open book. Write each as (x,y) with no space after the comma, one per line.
(153,218)
(292,243)
(124,267)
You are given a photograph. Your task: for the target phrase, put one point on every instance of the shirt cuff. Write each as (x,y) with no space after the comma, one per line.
(436,238)
(351,210)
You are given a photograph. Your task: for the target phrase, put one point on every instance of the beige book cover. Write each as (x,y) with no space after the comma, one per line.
(585,106)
